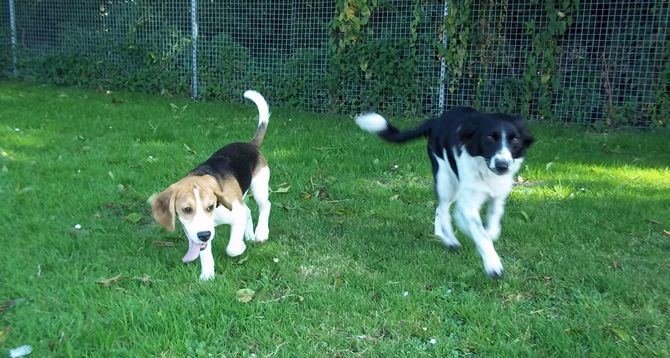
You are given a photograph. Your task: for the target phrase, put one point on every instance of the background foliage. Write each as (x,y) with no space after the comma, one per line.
(604,63)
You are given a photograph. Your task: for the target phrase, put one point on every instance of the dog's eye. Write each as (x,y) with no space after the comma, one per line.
(210,208)
(187,210)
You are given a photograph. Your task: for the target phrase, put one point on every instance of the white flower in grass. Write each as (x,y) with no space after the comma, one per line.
(405,294)
(395,166)
(433,341)
(16,129)
(77,226)
(275,260)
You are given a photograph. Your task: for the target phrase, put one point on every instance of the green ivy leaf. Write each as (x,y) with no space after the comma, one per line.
(545,78)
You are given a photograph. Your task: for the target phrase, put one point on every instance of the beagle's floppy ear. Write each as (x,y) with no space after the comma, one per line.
(215,187)
(163,208)
(221,198)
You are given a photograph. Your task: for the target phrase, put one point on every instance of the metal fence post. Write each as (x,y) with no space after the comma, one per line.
(194,39)
(443,61)
(12,36)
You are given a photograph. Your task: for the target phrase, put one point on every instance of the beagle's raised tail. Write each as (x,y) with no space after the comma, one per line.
(263,116)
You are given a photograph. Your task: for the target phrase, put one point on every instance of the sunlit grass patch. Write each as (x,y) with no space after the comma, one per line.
(351,267)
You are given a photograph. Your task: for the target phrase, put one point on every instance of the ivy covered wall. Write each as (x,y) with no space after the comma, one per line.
(600,63)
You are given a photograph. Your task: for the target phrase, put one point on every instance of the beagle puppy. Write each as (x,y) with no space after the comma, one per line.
(213,194)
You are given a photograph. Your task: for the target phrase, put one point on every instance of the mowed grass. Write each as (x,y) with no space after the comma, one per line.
(351,267)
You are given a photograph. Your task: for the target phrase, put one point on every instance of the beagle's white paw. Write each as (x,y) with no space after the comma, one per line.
(262,234)
(235,249)
(206,276)
(249,234)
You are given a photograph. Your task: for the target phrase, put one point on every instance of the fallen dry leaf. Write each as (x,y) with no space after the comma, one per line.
(146,280)
(616,265)
(375,296)
(666,232)
(3,334)
(281,190)
(6,155)
(344,212)
(245,295)
(165,243)
(9,304)
(111,281)
(133,217)
(623,335)
(541,278)
(339,281)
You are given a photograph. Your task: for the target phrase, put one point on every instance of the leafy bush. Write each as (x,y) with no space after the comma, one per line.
(538,57)
(5,55)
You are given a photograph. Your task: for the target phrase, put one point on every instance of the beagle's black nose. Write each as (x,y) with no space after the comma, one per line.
(204,235)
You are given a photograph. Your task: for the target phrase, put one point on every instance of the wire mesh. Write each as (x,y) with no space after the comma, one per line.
(276,47)
(570,61)
(6,65)
(606,67)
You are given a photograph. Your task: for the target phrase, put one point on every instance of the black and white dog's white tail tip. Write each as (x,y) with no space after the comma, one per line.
(372,123)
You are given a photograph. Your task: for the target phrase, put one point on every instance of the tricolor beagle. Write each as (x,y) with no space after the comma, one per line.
(213,194)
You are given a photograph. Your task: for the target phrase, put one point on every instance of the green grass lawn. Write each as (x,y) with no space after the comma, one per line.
(351,267)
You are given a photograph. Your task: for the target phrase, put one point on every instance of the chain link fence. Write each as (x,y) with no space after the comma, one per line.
(601,63)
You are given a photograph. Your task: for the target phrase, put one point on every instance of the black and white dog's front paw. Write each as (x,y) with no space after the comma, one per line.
(493,266)
(493,231)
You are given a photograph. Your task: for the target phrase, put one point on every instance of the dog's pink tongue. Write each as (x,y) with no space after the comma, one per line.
(193,252)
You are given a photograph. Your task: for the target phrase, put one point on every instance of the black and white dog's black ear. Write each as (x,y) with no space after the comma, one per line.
(526,137)
(466,133)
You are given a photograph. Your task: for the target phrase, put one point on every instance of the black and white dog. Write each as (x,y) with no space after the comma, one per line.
(474,157)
